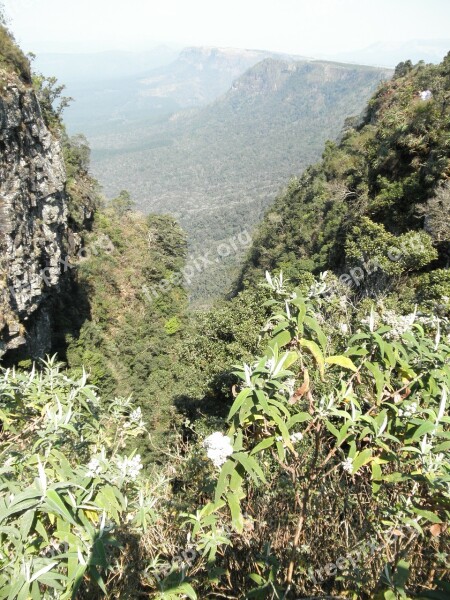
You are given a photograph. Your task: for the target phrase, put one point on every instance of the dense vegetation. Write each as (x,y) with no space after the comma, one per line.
(377,207)
(11,56)
(130,338)
(334,469)
(309,452)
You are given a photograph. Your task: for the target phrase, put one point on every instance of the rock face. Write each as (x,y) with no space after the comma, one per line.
(33,221)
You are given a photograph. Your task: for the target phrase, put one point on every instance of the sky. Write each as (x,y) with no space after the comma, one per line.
(304,27)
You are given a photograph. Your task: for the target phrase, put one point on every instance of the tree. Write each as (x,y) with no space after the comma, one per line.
(123,203)
(51,99)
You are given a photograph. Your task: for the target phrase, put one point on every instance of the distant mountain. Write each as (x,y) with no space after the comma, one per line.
(218,168)
(118,88)
(200,75)
(389,54)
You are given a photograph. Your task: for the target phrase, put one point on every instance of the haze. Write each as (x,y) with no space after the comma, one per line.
(314,28)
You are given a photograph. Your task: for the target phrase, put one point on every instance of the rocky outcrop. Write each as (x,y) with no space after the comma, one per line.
(33,220)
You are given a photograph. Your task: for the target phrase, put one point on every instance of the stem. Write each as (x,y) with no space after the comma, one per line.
(303,510)
(298,533)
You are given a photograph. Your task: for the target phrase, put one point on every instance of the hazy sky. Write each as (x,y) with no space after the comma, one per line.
(308,27)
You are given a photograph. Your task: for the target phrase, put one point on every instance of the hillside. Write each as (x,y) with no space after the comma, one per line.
(218,168)
(387,179)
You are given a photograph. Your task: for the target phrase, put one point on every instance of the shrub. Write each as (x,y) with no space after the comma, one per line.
(66,487)
(12,57)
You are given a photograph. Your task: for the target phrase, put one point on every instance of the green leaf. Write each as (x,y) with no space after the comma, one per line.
(361,459)
(241,397)
(251,466)
(97,578)
(312,324)
(291,358)
(377,476)
(26,521)
(224,476)
(236,514)
(423,429)
(262,399)
(43,571)
(401,574)
(298,418)
(57,505)
(378,376)
(263,445)
(332,429)
(317,354)
(341,361)
(186,589)
(427,515)
(236,479)
(281,339)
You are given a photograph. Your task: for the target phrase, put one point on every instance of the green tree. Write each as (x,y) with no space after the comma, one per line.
(123,203)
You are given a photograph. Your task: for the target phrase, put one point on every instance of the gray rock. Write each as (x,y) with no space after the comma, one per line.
(33,221)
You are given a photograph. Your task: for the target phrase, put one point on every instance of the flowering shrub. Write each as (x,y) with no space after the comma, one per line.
(218,448)
(366,411)
(64,489)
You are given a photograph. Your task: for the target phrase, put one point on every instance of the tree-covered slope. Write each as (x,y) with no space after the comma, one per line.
(381,194)
(217,169)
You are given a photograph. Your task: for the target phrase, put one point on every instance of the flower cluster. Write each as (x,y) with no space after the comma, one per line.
(426,95)
(98,464)
(409,411)
(294,437)
(347,465)
(218,448)
(400,324)
(344,328)
(94,468)
(130,467)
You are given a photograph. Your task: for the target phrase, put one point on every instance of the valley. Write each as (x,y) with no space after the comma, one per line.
(243,133)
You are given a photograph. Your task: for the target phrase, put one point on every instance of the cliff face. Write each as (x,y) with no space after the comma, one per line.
(33,220)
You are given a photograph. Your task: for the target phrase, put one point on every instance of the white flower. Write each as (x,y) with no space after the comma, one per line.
(94,468)
(426,95)
(218,448)
(135,419)
(400,324)
(130,467)
(409,411)
(343,327)
(136,415)
(296,437)
(290,386)
(347,465)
